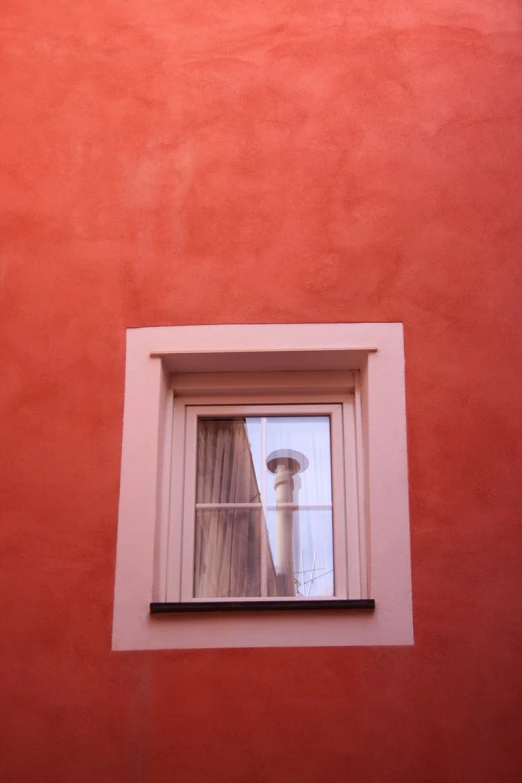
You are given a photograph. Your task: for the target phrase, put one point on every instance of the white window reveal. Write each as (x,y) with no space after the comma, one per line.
(263,488)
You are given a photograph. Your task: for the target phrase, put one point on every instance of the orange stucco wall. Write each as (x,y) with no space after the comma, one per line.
(210,161)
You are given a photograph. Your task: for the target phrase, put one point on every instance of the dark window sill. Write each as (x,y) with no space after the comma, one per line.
(367,604)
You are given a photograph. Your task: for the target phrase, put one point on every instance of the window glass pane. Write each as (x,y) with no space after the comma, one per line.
(225,465)
(227,561)
(309,436)
(304,564)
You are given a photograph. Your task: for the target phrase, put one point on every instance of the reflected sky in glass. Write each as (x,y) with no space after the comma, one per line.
(312,528)
(309,435)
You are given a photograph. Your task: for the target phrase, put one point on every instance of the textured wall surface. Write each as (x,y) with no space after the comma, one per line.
(200,161)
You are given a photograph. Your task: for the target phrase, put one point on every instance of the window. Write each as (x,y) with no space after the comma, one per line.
(263,469)
(263,500)
(262,524)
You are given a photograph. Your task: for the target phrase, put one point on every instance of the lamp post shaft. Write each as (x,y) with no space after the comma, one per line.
(285,464)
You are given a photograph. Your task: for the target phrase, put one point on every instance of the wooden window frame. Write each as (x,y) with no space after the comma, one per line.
(176,576)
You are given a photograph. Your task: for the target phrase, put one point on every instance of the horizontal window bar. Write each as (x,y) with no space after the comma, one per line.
(367,604)
(269,507)
(211,506)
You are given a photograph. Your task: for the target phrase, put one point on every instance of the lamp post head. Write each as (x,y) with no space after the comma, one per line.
(293,461)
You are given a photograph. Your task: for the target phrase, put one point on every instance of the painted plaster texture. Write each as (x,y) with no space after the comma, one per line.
(204,162)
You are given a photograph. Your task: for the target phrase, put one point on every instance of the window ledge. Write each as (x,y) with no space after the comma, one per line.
(263,606)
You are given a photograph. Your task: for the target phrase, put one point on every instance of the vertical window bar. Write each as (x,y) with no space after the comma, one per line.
(264,520)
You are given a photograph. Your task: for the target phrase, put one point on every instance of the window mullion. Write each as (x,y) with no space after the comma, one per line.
(264,520)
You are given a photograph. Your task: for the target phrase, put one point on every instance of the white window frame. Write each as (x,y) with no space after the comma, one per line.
(176,576)
(192,359)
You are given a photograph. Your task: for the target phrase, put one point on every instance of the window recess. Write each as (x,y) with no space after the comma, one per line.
(264,493)
(314,536)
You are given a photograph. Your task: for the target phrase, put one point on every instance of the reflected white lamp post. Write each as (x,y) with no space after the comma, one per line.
(285,464)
